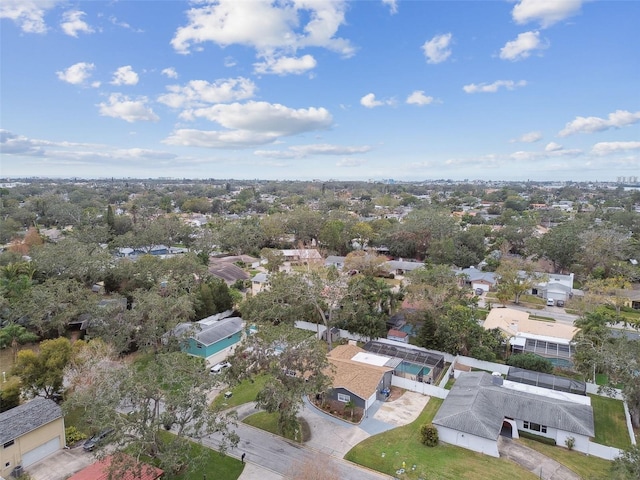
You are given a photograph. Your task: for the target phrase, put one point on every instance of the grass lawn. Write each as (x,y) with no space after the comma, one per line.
(269,422)
(610,423)
(541,318)
(386,452)
(588,467)
(244,392)
(602,379)
(215,466)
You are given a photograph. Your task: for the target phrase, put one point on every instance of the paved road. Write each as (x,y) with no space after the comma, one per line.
(283,457)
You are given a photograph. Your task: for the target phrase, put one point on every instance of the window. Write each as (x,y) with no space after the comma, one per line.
(8,444)
(536,427)
(344,398)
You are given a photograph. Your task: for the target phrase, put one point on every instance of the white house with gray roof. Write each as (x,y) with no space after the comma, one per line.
(29,433)
(480,406)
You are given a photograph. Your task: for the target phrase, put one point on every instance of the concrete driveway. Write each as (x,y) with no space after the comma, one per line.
(61,465)
(545,467)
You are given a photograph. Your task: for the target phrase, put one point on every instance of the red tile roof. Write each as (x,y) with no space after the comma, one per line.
(100,471)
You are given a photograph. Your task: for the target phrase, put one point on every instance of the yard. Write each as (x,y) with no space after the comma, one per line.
(610,422)
(244,392)
(269,423)
(386,453)
(587,467)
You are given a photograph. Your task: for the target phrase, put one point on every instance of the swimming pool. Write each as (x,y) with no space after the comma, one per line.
(413,369)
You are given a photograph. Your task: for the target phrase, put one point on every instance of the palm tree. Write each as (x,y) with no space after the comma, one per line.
(350,405)
(14,335)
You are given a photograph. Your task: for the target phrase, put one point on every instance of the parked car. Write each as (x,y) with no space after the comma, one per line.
(218,367)
(479,291)
(559,303)
(550,302)
(97,439)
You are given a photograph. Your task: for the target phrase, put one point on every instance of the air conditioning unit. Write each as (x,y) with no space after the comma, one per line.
(17,471)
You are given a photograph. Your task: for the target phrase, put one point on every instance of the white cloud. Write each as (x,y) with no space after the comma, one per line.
(73,23)
(125,76)
(606,148)
(250,124)
(286,65)
(437,49)
(267,26)
(393,6)
(529,137)
(121,106)
(198,93)
(419,98)
(302,151)
(230,62)
(553,147)
(617,119)
(552,150)
(369,101)
(522,46)
(76,74)
(170,72)
(493,87)
(546,12)
(27,14)
(350,162)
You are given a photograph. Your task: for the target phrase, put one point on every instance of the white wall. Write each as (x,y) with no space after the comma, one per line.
(482,365)
(602,451)
(468,441)
(419,387)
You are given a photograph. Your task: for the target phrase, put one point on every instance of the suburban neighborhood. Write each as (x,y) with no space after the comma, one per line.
(361,331)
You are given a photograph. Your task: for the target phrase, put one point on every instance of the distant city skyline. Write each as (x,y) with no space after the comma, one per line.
(511,90)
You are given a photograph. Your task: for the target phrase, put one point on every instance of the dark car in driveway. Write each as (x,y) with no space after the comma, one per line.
(97,439)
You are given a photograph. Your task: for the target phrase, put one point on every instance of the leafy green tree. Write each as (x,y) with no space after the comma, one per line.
(42,373)
(14,335)
(10,392)
(562,245)
(366,263)
(50,306)
(298,369)
(365,307)
(530,361)
(627,465)
(213,296)
(168,391)
(516,278)
(274,258)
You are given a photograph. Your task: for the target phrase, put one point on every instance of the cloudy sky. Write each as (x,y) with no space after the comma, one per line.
(317,89)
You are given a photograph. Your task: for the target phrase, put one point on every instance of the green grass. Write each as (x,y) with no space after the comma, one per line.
(588,467)
(541,318)
(602,379)
(386,452)
(269,423)
(244,392)
(610,422)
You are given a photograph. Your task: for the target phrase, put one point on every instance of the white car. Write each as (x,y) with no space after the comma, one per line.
(218,367)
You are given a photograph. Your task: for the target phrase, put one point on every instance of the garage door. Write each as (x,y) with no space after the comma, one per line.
(38,453)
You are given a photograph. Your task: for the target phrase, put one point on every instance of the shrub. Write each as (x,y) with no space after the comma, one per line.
(531,361)
(537,438)
(73,435)
(429,435)
(570,442)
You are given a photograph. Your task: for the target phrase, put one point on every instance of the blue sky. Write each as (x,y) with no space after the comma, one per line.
(312,89)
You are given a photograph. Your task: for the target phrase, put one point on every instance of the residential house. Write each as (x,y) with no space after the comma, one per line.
(480,406)
(398,336)
(210,335)
(136,471)
(631,298)
(29,433)
(358,376)
(259,282)
(400,267)
(555,286)
(301,256)
(226,269)
(475,278)
(550,340)
(335,261)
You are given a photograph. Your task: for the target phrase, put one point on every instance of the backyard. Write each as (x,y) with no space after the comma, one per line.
(610,422)
(387,451)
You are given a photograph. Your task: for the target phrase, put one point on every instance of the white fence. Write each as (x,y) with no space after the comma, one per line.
(602,451)
(319,329)
(482,365)
(419,387)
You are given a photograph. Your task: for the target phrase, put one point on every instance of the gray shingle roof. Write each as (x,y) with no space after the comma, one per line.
(476,406)
(27,417)
(219,330)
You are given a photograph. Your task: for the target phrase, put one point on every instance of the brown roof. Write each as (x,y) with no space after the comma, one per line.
(513,322)
(397,333)
(359,378)
(100,471)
